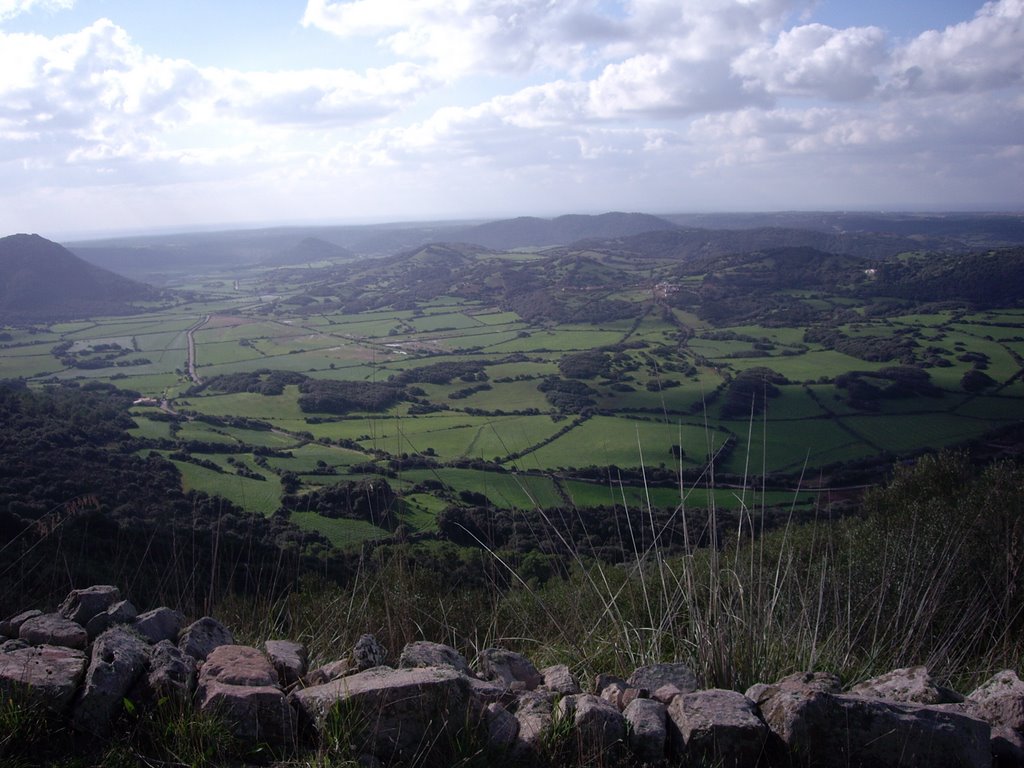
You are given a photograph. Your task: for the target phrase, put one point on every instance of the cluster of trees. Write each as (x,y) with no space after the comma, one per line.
(568,395)
(443,372)
(864,389)
(748,392)
(340,397)
(372,500)
(264,381)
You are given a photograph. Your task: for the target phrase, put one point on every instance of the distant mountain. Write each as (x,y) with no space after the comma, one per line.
(527,231)
(41,280)
(312,249)
(708,243)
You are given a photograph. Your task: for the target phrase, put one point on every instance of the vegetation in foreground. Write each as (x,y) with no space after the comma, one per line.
(927,573)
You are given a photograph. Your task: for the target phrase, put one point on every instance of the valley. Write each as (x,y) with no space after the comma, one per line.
(653,369)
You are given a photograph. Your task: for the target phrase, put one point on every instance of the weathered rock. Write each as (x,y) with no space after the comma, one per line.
(489,691)
(82,604)
(598,726)
(202,636)
(612,693)
(255,713)
(172,674)
(368,653)
(502,727)
(9,627)
(508,668)
(239,684)
(122,612)
(290,659)
(645,726)
(534,715)
(118,659)
(1007,748)
(12,645)
(999,701)
(654,676)
(717,727)
(393,713)
(559,679)
(801,682)
(603,680)
(46,674)
(53,629)
(910,684)
(825,729)
(330,671)
(632,694)
(160,624)
(666,693)
(426,654)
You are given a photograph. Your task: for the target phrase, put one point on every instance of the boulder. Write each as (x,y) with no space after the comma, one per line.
(1007,748)
(82,604)
(827,729)
(654,676)
(489,691)
(533,711)
(46,674)
(910,684)
(122,612)
(290,659)
(800,682)
(598,726)
(603,680)
(999,701)
(368,653)
(172,674)
(646,729)
(613,693)
(502,727)
(202,636)
(511,669)
(119,658)
(559,679)
(632,694)
(666,693)
(393,713)
(12,645)
(330,671)
(160,624)
(426,654)
(9,627)
(53,629)
(717,727)
(239,684)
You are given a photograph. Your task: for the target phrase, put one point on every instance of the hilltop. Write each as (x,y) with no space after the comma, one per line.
(40,279)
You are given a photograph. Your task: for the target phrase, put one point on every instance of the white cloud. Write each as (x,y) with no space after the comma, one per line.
(817,61)
(983,53)
(11,8)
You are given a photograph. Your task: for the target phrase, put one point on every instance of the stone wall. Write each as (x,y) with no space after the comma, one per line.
(93,653)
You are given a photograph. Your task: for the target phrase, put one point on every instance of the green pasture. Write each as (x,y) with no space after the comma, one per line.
(305,458)
(586,494)
(262,496)
(506,490)
(809,366)
(507,396)
(248,404)
(607,440)
(340,532)
(901,434)
(146,428)
(444,321)
(785,446)
(15,366)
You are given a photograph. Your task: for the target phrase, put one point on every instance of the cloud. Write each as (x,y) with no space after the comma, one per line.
(984,53)
(817,61)
(460,38)
(11,8)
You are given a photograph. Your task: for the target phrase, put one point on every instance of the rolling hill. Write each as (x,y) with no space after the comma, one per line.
(41,280)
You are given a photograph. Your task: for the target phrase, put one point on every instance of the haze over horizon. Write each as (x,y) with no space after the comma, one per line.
(118,116)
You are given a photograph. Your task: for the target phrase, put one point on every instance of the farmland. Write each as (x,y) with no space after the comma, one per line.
(559,378)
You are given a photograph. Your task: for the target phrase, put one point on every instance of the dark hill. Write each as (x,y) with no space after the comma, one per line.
(688,244)
(41,280)
(528,231)
(312,249)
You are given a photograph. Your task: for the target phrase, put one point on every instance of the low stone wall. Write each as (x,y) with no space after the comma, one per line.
(95,651)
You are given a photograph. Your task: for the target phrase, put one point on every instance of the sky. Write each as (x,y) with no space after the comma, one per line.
(145,115)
